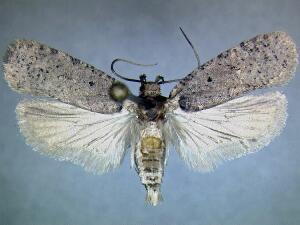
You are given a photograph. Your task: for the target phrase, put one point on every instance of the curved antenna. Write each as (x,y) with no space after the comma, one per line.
(192,46)
(169,81)
(195,53)
(130,62)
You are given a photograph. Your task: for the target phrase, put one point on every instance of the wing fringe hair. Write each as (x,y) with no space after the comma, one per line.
(244,125)
(68,133)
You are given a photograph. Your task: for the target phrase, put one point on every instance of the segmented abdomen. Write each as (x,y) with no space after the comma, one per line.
(149,159)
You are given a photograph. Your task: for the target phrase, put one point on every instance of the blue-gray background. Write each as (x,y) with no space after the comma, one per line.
(262,188)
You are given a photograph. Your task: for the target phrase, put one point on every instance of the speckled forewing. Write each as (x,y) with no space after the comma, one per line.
(34,68)
(263,61)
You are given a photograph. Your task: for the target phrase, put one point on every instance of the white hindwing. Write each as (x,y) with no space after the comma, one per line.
(230,130)
(65,132)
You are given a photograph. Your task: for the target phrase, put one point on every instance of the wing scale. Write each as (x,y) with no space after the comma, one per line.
(263,61)
(244,125)
(33,68)
(65,132)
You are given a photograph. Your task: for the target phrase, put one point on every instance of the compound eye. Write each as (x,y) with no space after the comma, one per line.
(119,91)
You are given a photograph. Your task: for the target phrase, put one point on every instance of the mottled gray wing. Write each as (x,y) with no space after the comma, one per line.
(34,68)
(263,61)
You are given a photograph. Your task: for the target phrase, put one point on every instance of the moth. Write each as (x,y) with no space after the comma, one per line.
(83,115)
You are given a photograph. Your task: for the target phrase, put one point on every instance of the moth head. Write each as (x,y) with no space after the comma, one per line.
(150,89)
(118,91)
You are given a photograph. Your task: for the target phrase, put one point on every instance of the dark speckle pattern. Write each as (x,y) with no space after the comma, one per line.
(34,68)
(263,61)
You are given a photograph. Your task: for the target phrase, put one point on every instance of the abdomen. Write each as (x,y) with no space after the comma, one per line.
(150,153)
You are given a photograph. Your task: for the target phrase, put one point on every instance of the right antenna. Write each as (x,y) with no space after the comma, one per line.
(192,46)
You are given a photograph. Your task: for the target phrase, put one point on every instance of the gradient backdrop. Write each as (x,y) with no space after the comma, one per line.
(262,188)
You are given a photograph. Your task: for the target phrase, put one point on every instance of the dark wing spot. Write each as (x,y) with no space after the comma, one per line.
(8,54)
(184,102)
(284,64)
(209,79)
(53,51)
(91,83)
(74,60)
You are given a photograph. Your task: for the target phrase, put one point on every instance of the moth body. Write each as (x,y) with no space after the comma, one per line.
(93,119)
(149,157)
(150,104)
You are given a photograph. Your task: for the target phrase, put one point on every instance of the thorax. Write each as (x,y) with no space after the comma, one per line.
(152,108)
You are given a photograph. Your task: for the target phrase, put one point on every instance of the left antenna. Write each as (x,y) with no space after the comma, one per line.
(130,62)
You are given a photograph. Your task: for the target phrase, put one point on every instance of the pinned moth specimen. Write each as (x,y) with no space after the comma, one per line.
(92,119)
